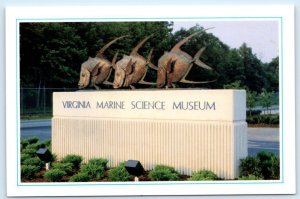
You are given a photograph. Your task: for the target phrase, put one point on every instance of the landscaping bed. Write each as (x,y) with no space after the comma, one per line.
(263,166)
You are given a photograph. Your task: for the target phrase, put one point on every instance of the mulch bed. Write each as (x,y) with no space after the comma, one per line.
(144,177)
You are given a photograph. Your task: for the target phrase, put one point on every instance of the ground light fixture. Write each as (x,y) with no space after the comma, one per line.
(134,167)
(45,155)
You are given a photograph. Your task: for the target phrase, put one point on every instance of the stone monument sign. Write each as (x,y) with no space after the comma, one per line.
(190,130)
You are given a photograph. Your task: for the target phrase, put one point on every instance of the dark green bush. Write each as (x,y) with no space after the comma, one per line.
(29,171)
(255,119)
(164,173)
(275,167)
(99,161)
(25,156)
(29,151)
(34,146)
(93,170)
(250,177)
(67,167)
(264,165)
(274,119)
(263,119)
(119,173)
(253,112)
(35,161)
(47,144)
(80,177)
(74,159)
(249,166)
(23,143)
(33,140)
(203,175)
(54,175)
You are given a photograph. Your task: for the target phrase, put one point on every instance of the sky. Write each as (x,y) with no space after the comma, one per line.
(261,36)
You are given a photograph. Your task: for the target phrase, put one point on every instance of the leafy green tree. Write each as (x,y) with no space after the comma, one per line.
(234,85)
(51,54)
(251,100)
(272,75)
(254,73)
(265,99)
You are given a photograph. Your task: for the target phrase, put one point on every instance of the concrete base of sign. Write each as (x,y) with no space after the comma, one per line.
(187,145)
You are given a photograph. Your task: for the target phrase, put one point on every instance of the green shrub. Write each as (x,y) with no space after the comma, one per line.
(33,140)
(119,173)
(23,143)
(275,167)
(253,112)
(93,170)
(74,159)
(35,161)
(163,173)
(66,167)
(274,119)
(29,171)
(80,177)
(99,161)
(34,146)
(54,175)
(47,144)
(203,175)
(250,177)
(265,165)
(249,166)
(29,151)
(263,119)
(25,156)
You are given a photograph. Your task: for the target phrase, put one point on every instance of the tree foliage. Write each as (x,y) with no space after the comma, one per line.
(51,53)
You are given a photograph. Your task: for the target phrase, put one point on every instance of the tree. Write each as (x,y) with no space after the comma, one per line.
(266,99)
(272,75)
(251,100)
(253,69)
(52,53)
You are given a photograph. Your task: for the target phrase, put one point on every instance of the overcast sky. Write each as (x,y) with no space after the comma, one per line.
(261,36)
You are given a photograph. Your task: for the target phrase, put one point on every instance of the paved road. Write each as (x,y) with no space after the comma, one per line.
(263,139)
(258,138)
(38,128)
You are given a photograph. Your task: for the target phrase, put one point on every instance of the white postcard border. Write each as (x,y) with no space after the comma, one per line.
(284,13)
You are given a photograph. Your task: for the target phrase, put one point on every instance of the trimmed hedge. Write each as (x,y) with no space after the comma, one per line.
(119,173)
(25,156)
(203,175)
(35,161)
(66,167)
(80,177)
(33,140)
(93,170)
(54,175)
(264,165)
(164,173)
(263,119)
(74,159)
(29,171)
(99,161)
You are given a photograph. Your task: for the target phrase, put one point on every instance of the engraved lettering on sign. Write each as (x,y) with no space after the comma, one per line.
(76,104)
(194,105)
(157,105)
(111,105)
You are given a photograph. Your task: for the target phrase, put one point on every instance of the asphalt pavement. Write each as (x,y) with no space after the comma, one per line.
(258,138)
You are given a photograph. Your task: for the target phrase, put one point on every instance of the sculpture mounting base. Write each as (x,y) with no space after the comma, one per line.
(187,144)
